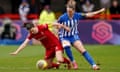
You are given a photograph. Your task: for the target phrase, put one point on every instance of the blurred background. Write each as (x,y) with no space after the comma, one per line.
(103,28)
(100,33)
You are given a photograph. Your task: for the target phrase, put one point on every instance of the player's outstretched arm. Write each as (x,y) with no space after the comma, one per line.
(21,47)
(58,25)
(90,14)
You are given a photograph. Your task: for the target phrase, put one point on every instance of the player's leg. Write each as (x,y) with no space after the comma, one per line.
(66,45)
(49,56)
(79,46)
(62,59)
(49,62)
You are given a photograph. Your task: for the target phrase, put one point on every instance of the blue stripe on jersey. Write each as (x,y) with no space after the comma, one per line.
(72,23)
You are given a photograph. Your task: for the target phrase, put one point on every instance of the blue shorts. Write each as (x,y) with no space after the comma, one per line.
(71,39)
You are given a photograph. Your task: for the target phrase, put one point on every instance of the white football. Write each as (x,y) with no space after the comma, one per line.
(41,64)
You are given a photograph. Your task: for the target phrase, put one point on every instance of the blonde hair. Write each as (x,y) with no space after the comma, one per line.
(71,4)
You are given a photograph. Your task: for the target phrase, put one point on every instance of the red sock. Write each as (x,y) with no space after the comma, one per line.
(55,65)
(66,60)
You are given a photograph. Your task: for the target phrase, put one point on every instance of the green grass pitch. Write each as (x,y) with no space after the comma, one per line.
(108,56)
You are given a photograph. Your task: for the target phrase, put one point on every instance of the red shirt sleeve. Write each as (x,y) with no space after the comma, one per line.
(43,27)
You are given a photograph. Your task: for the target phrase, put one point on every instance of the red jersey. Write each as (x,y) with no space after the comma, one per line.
(47,38)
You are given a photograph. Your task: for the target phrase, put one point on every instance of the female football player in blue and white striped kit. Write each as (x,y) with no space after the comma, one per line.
(71,19)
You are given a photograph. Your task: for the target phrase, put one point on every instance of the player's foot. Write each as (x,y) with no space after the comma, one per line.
(68,66)
(95,67)
(75,66)
(57,67)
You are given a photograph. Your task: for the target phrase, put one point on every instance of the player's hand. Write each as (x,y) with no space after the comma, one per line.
(67,29)
(13,53)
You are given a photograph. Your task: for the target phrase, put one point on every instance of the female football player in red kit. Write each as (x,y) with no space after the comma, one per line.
(53,47)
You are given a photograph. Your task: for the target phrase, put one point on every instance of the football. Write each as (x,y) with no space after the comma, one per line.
(41,64)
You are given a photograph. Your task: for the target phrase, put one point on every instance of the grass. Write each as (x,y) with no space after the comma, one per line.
(108,56)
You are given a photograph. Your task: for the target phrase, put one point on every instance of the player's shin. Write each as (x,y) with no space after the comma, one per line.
(65,60)
(90,60)
(69,53)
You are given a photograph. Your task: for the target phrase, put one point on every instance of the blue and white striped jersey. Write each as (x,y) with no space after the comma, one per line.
(72,23)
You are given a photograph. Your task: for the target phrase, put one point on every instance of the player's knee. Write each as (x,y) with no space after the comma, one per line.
(66,43)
